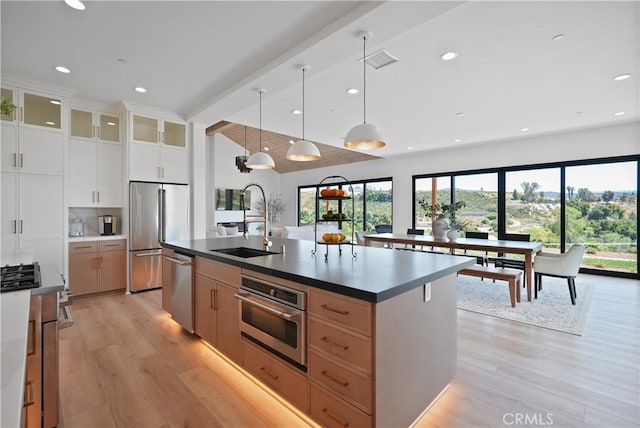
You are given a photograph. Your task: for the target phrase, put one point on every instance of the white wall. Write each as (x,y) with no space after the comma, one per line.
(224,174)
(593,143)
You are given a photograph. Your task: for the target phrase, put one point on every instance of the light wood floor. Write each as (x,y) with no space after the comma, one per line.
(126,363)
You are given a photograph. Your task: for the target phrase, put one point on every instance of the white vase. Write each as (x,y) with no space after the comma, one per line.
(453,234)
(439,228)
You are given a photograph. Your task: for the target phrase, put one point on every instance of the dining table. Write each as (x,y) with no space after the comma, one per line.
(527,248)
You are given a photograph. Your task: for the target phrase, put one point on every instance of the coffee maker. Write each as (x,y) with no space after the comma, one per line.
(107,224)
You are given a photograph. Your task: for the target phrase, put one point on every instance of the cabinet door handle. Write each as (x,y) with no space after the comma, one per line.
(21,160)
(15,159)
(31,334)
(328,413)
(271,375)
(97,131)
(101,262)
(93,131)
(21,229)
(14,226)
(97,196)
(337,311)
(28,394)
(21,114)
(111,245)
(328,341)
(334,379)
(81,247)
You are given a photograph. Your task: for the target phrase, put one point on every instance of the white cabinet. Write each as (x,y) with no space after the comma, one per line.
(32,165)
(96,166)
(158,150)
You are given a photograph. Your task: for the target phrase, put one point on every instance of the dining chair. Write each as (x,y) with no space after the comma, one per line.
(508,262)
(383,228)
(564,265)
(480,260)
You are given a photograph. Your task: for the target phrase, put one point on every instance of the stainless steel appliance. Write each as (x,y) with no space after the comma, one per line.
(107,224)
(157,213)
(275,316)
(182,290)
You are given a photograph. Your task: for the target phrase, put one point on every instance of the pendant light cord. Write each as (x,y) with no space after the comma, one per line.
(364,72)
(260,121)
(303,103)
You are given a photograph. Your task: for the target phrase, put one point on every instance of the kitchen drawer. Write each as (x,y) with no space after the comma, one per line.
(113,245)
(83,247)
(350,385)
(219,271)
(283,379)
(346,311)
(352,349)
(331,411)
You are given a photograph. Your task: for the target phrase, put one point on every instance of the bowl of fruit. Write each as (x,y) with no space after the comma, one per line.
(334,237)
(330,215)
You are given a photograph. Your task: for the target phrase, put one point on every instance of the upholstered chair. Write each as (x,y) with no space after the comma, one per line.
(564,265)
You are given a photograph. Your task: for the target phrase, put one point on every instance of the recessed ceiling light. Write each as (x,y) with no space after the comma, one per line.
(76,4)
(558,37)
(622,77)
(410,148)
(111,124)
(266,149)
(50,123)
(296,111)
(62,69)
(457,140)
(122,60)
(56,102)
(524,129)
(619,113)
(140,89)
(460,114)
(448,56)
(291,141)
(352,91)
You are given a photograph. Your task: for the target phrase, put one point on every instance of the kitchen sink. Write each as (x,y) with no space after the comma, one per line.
(244,252)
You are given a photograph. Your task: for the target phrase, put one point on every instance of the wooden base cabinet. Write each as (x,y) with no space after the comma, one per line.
(215,308)
(97,266)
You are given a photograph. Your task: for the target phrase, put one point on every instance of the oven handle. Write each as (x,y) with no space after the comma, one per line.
(269,309)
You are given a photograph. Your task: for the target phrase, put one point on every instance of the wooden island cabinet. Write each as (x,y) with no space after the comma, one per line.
(380,330)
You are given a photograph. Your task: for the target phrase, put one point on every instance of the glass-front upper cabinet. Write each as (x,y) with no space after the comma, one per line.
(95,125)
(174,134)
(152,130)
(33,109)
(41,111)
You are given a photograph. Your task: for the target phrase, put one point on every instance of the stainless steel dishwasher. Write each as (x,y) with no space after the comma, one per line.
(182,290)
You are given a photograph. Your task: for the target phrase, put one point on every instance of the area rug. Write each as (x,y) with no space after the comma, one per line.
(552,309)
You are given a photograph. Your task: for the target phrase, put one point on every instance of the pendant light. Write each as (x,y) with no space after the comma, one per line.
(241,161)
(364,136)
(303,150)
(260,160)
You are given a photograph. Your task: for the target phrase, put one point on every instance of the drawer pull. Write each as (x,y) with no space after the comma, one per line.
(111,245)
(328,341)
(342,383)
(337,311)
(272,376)
(328,413)
(82,247)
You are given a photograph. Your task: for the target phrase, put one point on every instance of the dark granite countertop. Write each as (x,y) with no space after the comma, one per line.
(375,275)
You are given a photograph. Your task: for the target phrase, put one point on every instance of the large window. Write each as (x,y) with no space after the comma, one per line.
(373,204)
(602,213)
(593,202)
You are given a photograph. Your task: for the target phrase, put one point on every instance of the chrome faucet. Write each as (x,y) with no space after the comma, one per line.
(252,218)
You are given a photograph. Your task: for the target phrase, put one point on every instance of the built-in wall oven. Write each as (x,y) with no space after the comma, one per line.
(275,316)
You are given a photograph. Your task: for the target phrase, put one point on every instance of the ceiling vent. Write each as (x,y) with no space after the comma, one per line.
(379,59)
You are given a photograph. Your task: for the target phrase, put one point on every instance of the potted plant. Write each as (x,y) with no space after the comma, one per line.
(7,107)
(446,218)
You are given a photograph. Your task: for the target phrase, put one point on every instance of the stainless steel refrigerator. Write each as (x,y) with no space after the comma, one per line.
(157,212)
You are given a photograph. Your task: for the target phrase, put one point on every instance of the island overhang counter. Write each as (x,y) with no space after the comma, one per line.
(399,362)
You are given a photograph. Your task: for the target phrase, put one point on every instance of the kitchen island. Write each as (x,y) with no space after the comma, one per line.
(380,334)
